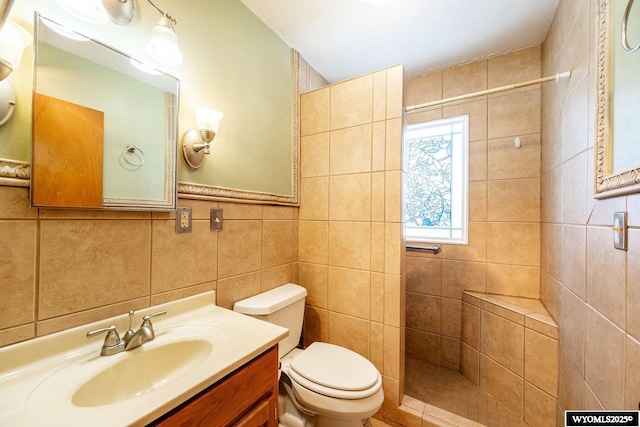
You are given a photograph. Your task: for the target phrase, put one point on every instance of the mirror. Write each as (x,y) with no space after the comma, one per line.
(255,156)
(251,75)
(617,158)
(104,126)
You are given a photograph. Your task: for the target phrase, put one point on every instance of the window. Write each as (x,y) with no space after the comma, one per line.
(436,160)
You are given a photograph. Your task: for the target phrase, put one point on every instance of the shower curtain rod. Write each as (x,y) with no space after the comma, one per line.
(557,77)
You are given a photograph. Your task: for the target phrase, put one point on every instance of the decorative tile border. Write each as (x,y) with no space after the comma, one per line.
(15,173)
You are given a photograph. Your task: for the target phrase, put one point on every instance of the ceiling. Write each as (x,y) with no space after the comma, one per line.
(347,38)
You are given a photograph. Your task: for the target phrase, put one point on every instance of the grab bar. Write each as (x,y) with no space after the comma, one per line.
(435,249)
(625,19)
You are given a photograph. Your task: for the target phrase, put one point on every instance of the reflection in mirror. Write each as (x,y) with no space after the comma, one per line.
(101,122)
(249,73)
(617,158)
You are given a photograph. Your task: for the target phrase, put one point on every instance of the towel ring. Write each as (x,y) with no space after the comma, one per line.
(132,149)
(625,19)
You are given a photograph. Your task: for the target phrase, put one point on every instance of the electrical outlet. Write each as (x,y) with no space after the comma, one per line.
(216,219)
(183,220)
(620,229)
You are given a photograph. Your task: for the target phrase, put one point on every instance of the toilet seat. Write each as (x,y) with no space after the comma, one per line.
(334,371)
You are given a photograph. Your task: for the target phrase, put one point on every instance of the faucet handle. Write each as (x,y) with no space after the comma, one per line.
(112,337)
(112,343)
(146,320)
(150,316)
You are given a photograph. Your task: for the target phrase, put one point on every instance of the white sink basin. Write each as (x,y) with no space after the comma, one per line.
(94,381)
(144,370)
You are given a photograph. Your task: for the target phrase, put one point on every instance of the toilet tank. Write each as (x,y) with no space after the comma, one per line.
(283,306)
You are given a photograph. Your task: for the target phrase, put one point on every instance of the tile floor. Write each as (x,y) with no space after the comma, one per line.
(453,392)
(372,422)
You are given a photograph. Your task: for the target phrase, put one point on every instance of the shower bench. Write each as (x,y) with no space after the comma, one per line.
(509,348)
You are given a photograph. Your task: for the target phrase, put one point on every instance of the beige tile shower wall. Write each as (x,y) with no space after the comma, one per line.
(592,290)
(503,254)
(510,349)
(63,268)
(351,251)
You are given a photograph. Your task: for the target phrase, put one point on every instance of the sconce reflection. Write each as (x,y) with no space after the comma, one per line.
(13,40)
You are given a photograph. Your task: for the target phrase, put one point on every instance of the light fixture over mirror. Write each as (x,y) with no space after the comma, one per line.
(163,43)
(196,142)
(120,11)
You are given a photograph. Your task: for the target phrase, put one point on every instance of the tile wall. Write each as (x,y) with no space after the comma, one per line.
(592,290)
(63,268)
(502,256)
(351,251)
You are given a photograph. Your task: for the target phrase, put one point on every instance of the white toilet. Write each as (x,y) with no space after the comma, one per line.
(324,385)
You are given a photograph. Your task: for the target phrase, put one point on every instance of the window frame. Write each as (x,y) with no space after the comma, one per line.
(463,197)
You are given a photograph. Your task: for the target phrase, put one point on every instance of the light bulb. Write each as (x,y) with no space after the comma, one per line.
(163,44)
(208,119)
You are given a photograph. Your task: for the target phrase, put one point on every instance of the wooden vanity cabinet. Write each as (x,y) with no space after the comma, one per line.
(244,398)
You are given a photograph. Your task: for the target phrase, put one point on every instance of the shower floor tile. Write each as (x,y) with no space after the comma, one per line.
(453,392)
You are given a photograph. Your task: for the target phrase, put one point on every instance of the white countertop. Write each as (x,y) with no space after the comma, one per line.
(39,377)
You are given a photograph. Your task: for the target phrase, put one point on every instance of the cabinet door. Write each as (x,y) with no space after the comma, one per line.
(235,399)
(263,415)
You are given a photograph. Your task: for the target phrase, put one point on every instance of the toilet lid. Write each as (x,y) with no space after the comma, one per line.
(335,370)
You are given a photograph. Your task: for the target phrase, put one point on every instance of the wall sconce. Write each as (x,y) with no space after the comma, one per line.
(13,40)
(196,142)
(163,43)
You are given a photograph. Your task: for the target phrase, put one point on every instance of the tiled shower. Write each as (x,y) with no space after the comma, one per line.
(590,289)
(503,254)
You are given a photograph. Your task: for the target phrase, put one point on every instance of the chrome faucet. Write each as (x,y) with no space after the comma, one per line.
(112,342)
